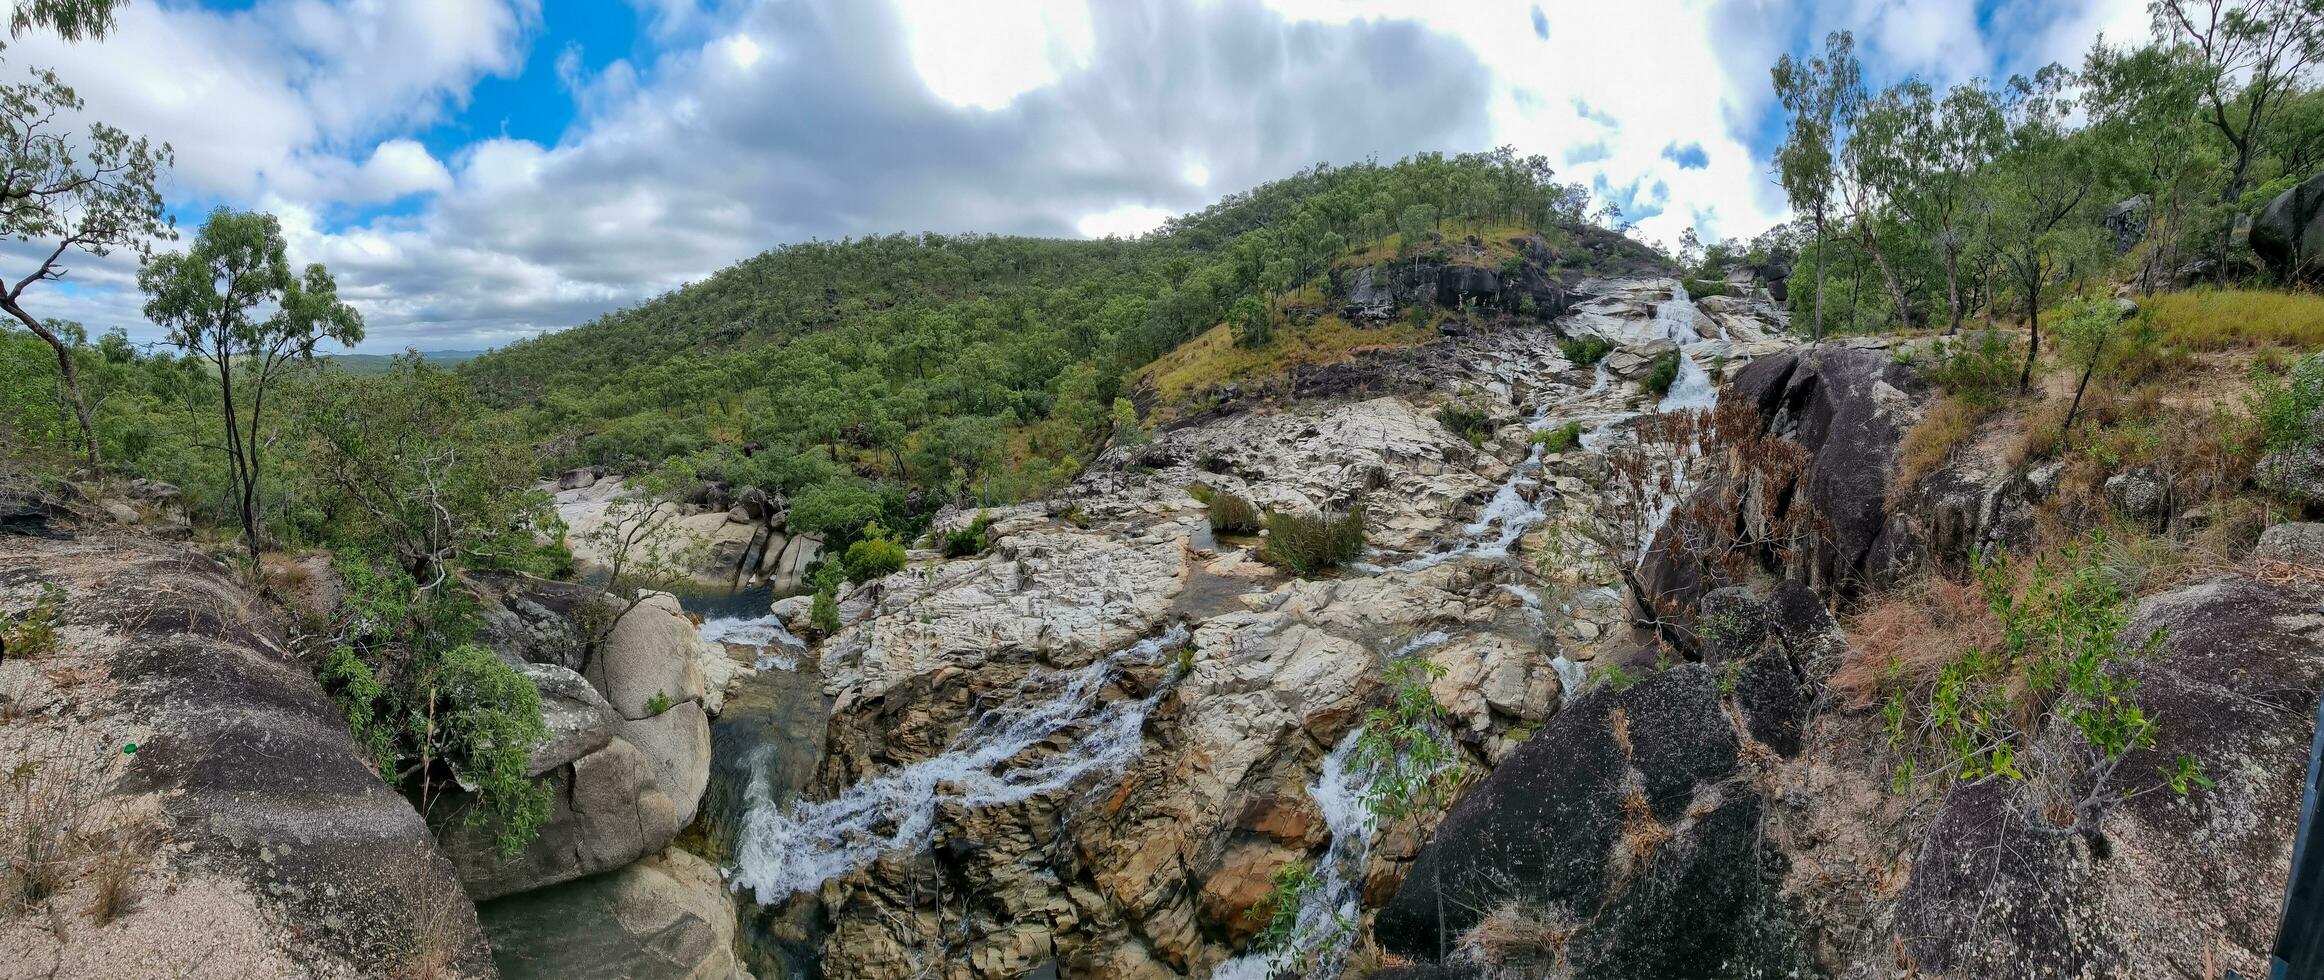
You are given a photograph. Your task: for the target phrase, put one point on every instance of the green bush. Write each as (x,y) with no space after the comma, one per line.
(1474,425)
(1980,369)
(488,721)
(877,553)
(1561,439)
(1585,351)
(414,686)
(2058,663)
(2285,407)
(1305,545)
(1663,373)
(969,540)
(1698,289)
(1231,514)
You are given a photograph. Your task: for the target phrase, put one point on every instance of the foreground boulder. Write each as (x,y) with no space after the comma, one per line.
(2165,885)
(172,710)
(1624,824)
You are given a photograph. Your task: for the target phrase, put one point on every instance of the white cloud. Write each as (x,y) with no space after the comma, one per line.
(986,53)
(751,123)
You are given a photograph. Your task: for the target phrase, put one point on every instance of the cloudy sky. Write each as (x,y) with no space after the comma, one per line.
(476,171)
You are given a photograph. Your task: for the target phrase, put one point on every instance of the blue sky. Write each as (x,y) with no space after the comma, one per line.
(477,171)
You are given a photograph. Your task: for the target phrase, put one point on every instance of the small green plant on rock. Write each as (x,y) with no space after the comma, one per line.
(1472,424)
(874,555)
(1564,438)
(31,634)
(968,541)
(2057,668)
(1585,351)
(1231,514)
(659,703)
(1412,761)
(1662,373)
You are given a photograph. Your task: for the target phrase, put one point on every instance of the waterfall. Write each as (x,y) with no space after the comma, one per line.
(1694,387)
(991,762)
(1327,912)
(777,648)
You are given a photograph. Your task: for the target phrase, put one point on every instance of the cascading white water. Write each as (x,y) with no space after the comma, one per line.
(776,648)
(991,762)
(1327,912)
(1693,387)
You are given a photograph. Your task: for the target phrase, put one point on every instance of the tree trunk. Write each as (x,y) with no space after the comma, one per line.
(71,376)
(1818,335)
(1953,291)
(2033,340)
(1887,275)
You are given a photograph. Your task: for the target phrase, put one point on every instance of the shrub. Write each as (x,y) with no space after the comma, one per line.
(1232,514)
(2286,407)
(416,689)
(1410,759)
(875,554)
(1560,439)
(1698,289)
(825,612)
(487,727)
(32,633)
(659,703)
(1305,545)
(1278,913)
(1474,425)
(1663,373)
(2053,663)
(1980,369)
(1585,351)
(969,540)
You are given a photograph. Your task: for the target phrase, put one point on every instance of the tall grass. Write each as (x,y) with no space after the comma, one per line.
(1931,443)
(2218,319)
(1234,515)
(1304,545)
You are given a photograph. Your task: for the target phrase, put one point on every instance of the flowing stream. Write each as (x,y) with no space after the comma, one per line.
(782,851)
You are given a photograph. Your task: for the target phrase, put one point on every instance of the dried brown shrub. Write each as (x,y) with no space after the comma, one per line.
(1906,637)
(1950,424)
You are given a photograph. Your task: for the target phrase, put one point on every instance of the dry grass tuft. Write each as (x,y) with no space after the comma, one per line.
(1641,833)
(1907,637)
(1932,442)
(118,855)
(1519,939)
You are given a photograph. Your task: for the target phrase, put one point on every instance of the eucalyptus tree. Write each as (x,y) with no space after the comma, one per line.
(2041,186)
(2141,106)
(1925,158)
(2254,53)
(1823,95)
(233,301)
(64,192)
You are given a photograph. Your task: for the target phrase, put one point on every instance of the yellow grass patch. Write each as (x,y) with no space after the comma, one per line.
(1214,359)
(2215,319)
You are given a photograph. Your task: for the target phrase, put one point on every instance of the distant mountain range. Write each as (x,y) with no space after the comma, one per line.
(377,363)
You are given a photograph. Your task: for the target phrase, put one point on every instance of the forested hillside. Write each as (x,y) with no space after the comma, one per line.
(985,367)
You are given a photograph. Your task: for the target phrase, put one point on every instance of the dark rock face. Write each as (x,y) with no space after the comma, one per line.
(2287,235)
(1626,803)
(1458,284)
(1849,409)
(1367,298)
(2125,223)
(2235,688)
(24,510)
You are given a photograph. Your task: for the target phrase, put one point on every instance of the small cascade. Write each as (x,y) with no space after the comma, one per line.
(1328,912)
(1677,318)
(776,648)
(991,762)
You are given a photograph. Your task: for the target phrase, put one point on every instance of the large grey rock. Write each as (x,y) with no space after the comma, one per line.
(2163,880)
(2142,496)
(677,742)
(605,811)
(2287,235)
(653,651)
(282,853)
(578,718)
(666,917)
(2300,544)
